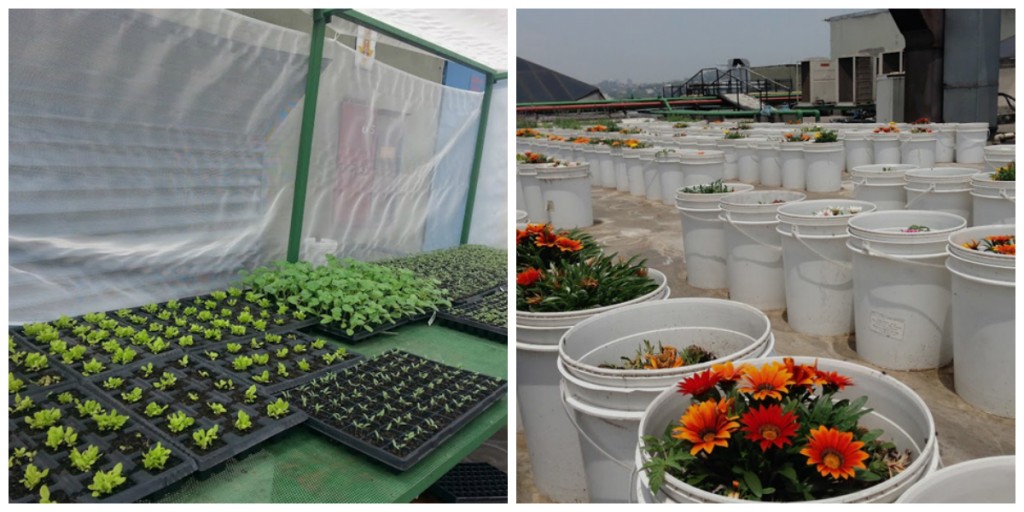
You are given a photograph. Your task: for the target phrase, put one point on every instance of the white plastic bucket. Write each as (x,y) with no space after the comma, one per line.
(881,184)
(704,237)
(621,169)
(728,146)
(566,192)
(994,202)
(945,142)
(670,176)
(532,194)
(753,262)
(769,164)
(607,404)
(970,142)
(520,195)
(701,166)
(998,155)
(858,147)
(901,288)
(824,162)
(604,172)
(918,149)
(987,480)
(794,168)
(983,321)
(522,219)
(817,266)
(940,189)
(634,171)
(652,174)
(895,408)
(747,166)
(886,148)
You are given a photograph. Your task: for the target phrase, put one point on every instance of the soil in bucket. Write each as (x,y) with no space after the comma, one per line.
(614,364)
(982,263)
(817,264)
(754,271)
(902,302)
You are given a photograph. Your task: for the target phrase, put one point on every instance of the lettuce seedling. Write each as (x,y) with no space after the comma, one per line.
(260,325)
(217,408)
(83,461)
(104,482)
(180,322)
(277,409)
(282,353)
(75,353)
(108,324)
(133,396)
(238,330)
(226,313)
(158,345)
(250,394)
(261,358)
(44,496)
(193,396)
(156,457)
(65,398)
(156,327)
(89,409)
(150,308)
(110,346)
(33,476)
(234,348)
(190,311)
(110,421)
(179,421)
(93,367)
(95,337)
(113,383)
(59,435)
(282,370)
(204,438)
(205,316)
(262,378)
(166,382)
(273,338)
(212,356)
(123,313)
(164,315)
(14,384)
(36,361)
(64,322)
(146,370)
(303,365)
(172,305)
(124,332)
(58,347)
(186,341)
(183,362)
(245,317)
(243,422)
(220,323)
(218,295)
(212,334)
(195,328)
(43,419)
(242,363)
(154,409)
(318,343)
(223,384)
(171,332)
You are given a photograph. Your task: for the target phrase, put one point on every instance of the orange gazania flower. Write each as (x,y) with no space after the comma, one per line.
(698,383)
(706,426)
(1005,249)
(803,375)
(668,358)
(834,379)
(769,381)
(533,300)
(769,426)
(727,372)
(834,452)
(536,229)
(528,277)
(589,282)
(568,244)
(546,239)
(973,244)
(521,236)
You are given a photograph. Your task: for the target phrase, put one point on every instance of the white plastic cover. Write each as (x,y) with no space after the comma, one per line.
(152,155)
(490,215)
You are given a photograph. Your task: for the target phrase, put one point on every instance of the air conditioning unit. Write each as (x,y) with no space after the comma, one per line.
(820,83)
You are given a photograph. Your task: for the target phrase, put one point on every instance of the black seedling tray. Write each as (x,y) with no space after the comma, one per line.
(278,383)
(363,334)
(433,424)
(192,380)
(472,482)
(480,294)
(40,380)
(456,317)
(125,446)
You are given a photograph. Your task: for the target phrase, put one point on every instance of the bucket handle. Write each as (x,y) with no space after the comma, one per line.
(1004,195)
(742,231)
(841,264)
(633,475)
(931,187)
(887,256)
(687,215)
(572,419)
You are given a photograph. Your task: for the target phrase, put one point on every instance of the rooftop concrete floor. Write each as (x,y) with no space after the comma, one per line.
(631,225)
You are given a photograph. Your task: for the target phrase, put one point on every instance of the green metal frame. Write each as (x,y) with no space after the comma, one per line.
(321,17)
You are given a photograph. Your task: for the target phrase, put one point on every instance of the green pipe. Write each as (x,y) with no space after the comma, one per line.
(478,153)
(405,37)
(665,102)
(598,102)
(316,54)
(732,113)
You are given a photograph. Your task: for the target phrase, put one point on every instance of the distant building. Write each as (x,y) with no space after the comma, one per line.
(536,84)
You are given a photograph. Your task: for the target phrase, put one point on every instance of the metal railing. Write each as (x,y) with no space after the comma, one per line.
(741,80)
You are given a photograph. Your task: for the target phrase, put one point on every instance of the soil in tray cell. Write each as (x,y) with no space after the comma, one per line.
(67,421)
(397,403)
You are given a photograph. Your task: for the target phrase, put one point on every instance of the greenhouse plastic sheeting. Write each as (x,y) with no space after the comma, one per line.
(390,150)
(152,155)
(490,214)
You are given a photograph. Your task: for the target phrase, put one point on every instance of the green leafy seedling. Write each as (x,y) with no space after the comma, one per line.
(217,408)
(262,378)
(146,370)
(43,419)
(304,365)
(186,341)
(57,436)
(14,384)
(154,409)
(193,396)
(156,458)
(83,461)
(158,345)
(65,398)
(36,361)
(166,382)
(89,408)
(234,348)
(113,383)
(204,438)
(318,344)
(93,367)
(110,421)
(179,421)
(44,496)
(212,356)
(33,476)
(250,394)
(183,362)
(261,359)
(282,370)
(242,363)
(123,355)
(224,384)
(278,409)
(74,354)
(282,353)
(104,482)
(133,396)
(243,422)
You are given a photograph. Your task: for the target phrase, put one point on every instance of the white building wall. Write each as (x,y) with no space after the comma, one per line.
(865,35)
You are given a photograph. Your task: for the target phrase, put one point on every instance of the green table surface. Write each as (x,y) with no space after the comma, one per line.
(302,466)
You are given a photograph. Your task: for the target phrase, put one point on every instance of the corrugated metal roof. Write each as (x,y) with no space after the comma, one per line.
(859,14)
(536,83)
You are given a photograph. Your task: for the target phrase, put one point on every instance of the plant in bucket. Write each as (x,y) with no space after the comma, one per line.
(562,278)
(774,432)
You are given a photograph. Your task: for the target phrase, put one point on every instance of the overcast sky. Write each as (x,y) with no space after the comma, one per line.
(653,45)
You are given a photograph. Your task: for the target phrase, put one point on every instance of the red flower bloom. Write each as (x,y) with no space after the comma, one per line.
(546,239)
(803,375)
(568,244)
(528,277)
(698,383)
(835,380)
(769,426)
(834,452)
(521,236)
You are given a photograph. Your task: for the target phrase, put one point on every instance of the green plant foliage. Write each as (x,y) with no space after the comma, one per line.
(156,457)
(204,438)
(460,271)
(104,482)
(83,461)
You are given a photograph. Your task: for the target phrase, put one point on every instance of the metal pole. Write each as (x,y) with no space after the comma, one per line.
(316,53)
(478,153)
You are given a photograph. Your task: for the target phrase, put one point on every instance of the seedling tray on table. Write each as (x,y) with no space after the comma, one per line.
(125,446)
(362,334)
(397,407)
(198,385)
(472,482)
(463,315)
(271,346)
(34,367)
